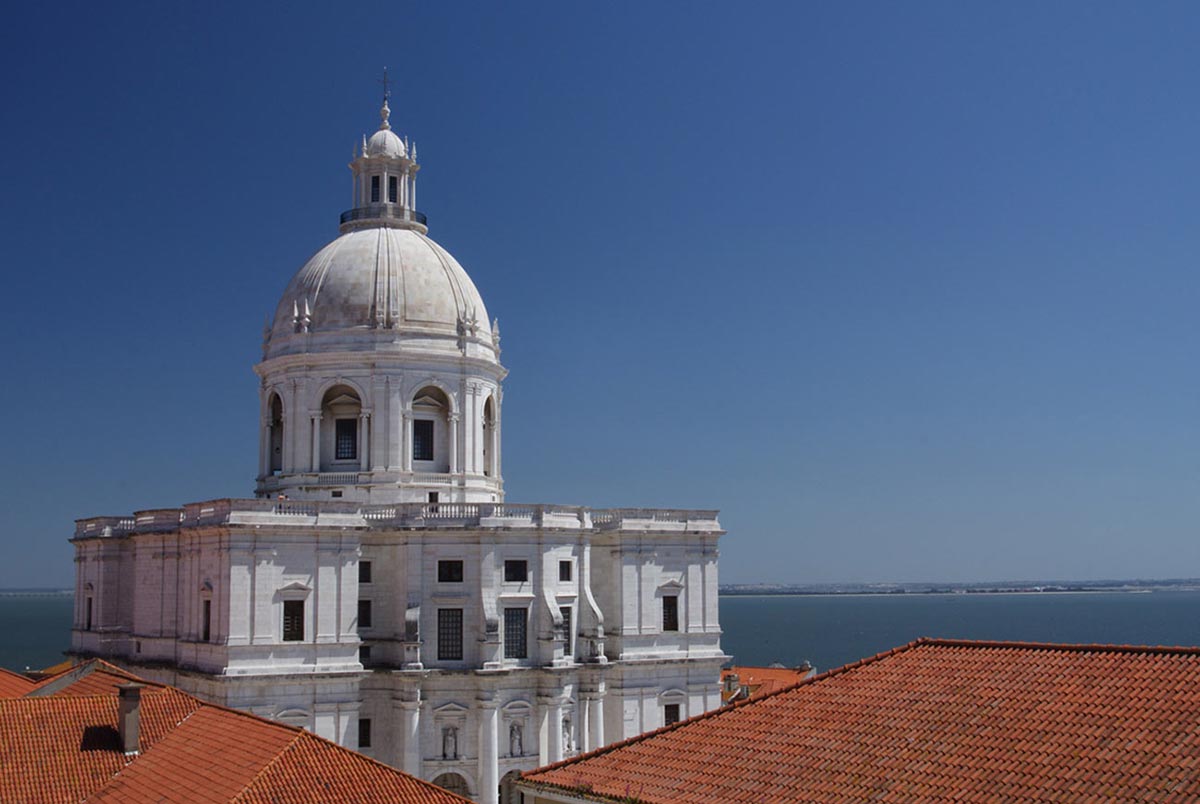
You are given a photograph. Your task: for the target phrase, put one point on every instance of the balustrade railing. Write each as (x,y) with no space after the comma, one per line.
(396,212)
(421,514)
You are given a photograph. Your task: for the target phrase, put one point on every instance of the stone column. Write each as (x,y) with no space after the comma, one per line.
(315,450)
(264,447)
(364,442)
(406,441)
(594,704)
(410,736)
(489,754)
(555,736)
(452,422)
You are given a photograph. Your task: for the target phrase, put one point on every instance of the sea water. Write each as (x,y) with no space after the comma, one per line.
(827,630)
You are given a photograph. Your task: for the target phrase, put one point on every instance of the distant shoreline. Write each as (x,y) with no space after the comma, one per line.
(37,592)
(918,589)
(990,592)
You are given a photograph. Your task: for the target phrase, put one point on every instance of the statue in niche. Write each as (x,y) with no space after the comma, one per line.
(450,743)
(566,735)
(516,741)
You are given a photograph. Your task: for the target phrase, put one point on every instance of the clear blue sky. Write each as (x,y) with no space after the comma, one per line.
(908,291)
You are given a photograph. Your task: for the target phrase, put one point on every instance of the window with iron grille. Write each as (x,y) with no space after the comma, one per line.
(422,439)
(564,570)
(450,571)
(516,571)
(374,189)
(364,572)
(450,634)
(346,438)
(515,642)
(364,732)
(392,185)
(566,614)
(293,621)
(670,714)
(670,605)
(364,614)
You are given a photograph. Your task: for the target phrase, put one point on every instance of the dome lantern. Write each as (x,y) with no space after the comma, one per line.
(385,179)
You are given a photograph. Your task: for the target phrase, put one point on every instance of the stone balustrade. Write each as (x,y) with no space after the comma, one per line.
(400,515)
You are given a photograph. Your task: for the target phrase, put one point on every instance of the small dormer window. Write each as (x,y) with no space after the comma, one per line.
(374,189)
(393,188)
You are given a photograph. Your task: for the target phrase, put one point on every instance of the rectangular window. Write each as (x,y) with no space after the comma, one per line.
(450,571)
(364,732)
(206,622)
(364,614)
(422,439)
(670,714)
(515,642)
(293,621)
(566,613)
(516,571)
(670,613)
(392,189)
(374,189)
(364,572)
(364,654)
(87,621)
(346,437)
(564,570)
(450,634)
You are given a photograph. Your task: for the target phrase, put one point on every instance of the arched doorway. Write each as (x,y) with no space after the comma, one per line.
(431,430)
(489,437)
(454,783)
(508,793)
(340,443)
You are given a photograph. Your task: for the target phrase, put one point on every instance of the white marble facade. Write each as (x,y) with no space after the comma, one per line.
(378,589)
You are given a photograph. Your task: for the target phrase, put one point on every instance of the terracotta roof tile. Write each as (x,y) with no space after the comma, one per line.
(96,677)
(14,685)
(934,721)
(62,748)
(60,744)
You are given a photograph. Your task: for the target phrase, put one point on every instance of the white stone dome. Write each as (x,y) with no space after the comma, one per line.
(394,281)
(384,142)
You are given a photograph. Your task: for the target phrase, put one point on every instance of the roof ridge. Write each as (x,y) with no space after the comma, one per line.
(267,765)
(1081,647)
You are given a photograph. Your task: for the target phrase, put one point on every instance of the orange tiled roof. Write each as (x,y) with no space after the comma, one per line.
(762,680)
(60,744)
(95,677)
(933,721)
(61,749)
(14,685)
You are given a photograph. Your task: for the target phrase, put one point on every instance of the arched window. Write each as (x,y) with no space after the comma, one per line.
(489,437)
(508,793)
(431,430)
(340,409)
(453,782)
(276,434)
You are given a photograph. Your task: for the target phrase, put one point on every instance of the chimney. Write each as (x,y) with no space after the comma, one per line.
(129,713)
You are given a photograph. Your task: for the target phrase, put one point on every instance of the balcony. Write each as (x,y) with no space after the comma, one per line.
(390,212)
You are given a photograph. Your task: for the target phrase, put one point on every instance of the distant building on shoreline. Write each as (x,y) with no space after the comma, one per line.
(378,589)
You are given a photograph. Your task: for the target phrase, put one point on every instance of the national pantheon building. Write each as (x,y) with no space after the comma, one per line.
(378,589)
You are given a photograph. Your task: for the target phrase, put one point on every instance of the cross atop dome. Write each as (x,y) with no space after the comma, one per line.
(385,112)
